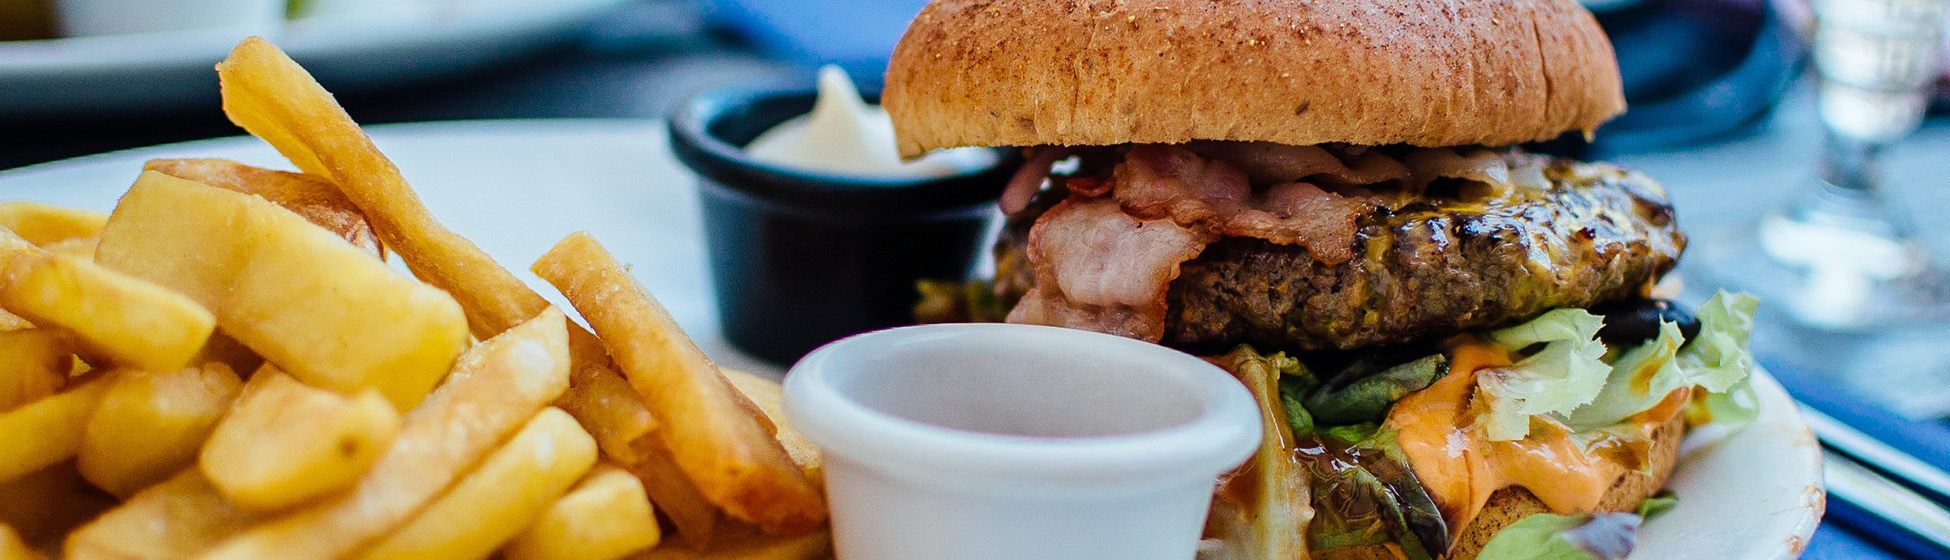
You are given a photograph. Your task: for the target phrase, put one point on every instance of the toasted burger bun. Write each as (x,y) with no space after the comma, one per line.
(1508,505)
(1297,72)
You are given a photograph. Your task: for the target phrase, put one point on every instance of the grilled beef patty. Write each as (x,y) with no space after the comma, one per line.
(1440,265)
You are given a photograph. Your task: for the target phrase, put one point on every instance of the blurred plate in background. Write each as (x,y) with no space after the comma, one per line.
(124,74)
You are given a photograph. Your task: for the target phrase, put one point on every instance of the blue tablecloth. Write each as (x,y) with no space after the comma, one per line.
(1846,533)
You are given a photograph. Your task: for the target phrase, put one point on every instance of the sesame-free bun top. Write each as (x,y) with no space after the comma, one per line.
(1374,72)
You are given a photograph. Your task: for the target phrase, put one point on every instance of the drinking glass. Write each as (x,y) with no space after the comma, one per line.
(1838,257)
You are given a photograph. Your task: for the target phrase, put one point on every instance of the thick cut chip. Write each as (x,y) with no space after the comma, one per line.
(605,517)
(712,432)
(505,494)
(43,224)
(326,312)
(270,96)
(769,397)
(34,363)
(285,442)
(497,386)
(672,492)
(176,519)
(48,431)
(312,197)
(113,315)
(149,425)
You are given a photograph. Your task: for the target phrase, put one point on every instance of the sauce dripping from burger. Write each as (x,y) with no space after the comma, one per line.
(1461,468)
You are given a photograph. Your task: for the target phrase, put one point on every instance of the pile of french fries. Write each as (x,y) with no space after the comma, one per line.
(226,367)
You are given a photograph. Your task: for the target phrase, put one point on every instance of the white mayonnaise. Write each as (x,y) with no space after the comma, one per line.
(845,134)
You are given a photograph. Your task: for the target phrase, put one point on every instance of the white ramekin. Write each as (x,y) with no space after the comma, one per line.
(1000,441)
(85,18)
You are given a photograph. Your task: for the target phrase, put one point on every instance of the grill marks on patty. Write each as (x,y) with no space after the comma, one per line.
(1468,254)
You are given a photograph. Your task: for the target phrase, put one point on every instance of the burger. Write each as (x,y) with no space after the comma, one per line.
(1457,344)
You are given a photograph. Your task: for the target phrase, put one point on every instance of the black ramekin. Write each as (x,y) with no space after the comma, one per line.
(800,258)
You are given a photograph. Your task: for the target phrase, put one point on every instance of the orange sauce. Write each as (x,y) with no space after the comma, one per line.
(1461,468)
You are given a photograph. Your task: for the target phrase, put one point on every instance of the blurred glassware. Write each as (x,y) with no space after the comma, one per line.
(88,18)
(1838,257)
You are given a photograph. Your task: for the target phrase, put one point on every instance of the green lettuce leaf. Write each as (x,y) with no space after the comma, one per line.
(1717,361)
(1638,380)
(1720,361)
(1367,399)
(1656,504)
(1366,494)
(1544,536)
(1567,372)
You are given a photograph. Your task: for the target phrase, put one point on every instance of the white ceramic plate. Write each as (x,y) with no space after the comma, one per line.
(128,73)
(516,187)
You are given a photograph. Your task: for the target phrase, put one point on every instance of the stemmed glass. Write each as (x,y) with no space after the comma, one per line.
(1838,257)
(1849,292)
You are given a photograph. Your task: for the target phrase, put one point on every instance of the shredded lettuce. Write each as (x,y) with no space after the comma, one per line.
(1720,360)
(1716,361)
(1639,379)
(1544,536)
(1567,372)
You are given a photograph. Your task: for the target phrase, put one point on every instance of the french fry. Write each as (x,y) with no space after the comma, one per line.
(314,198)
(270,96)
(27,503)
(816,545)
(497,386)
(177,518)
(605,517)
(149,425)
(603,402)
(127,320)
(769,397)
(12,547)
(77,248)
(48,431)
(34,363)
(284,443)
(707,425)
(361,325)
(673,493)
(494,502)
(42,224)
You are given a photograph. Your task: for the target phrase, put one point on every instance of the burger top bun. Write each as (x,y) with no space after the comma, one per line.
(1374,72)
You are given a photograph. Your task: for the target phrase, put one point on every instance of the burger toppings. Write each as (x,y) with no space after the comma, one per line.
(1387,246)
(1407,450)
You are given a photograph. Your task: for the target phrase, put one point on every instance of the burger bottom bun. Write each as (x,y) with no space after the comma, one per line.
(1508,505)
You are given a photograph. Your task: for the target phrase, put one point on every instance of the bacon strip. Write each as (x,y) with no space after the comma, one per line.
(1100,269)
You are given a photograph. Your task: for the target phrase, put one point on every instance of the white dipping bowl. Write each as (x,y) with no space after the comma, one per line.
(1001,442)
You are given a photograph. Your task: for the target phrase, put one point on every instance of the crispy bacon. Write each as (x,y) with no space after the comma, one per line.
(1172,182)
(1100,269)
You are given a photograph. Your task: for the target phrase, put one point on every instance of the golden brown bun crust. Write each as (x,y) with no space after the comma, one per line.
(1511,504)
(1104,72)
